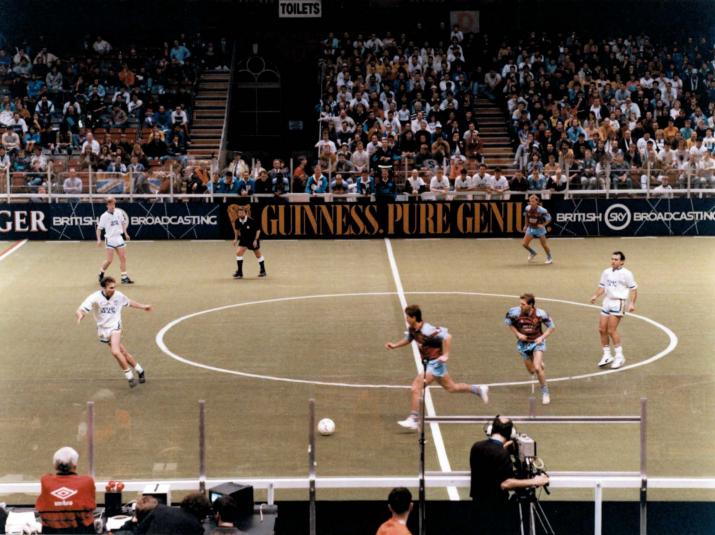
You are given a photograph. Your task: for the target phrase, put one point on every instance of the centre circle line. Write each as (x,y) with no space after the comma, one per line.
(159,339)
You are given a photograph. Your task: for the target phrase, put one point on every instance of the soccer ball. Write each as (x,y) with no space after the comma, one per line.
(326,427)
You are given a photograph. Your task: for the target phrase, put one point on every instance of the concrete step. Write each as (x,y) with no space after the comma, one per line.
(213,85)
(206,132)
(201,134)
(203,122)
(209,113)
(215,76)
(204,143)
(210,104)
(202,153)
(211,94)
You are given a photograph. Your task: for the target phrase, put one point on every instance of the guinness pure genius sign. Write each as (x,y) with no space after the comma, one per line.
(390,220)
(299,8)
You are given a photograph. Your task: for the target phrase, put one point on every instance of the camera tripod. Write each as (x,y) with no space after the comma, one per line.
(529,503)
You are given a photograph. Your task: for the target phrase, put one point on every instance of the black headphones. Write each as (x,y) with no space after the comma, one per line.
(497,427)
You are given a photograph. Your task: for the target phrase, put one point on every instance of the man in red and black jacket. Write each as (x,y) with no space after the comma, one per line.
(67,501)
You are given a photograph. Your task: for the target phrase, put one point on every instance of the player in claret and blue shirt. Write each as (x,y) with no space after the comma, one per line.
(536,218)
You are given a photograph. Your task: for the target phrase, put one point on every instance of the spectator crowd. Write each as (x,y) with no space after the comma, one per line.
(118,109)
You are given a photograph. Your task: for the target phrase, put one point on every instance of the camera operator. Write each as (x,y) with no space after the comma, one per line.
(493,476)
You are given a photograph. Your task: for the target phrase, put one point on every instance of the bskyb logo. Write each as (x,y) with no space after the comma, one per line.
(617,216)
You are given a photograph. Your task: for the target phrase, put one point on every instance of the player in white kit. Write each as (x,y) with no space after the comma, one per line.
(619,285)
(107,305)
(114,223)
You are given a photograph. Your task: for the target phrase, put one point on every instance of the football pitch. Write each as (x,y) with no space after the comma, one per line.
(256,350)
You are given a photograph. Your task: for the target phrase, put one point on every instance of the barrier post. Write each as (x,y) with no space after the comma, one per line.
(90,182)
(311,466)
(644,459)
(202,445)
(90,438)
(598,508)
(7,183)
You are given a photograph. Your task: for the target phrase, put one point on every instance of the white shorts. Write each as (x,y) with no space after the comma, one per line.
(105,333)
(613,307)
(115,242)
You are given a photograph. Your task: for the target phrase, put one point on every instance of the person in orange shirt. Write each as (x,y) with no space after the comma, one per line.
(399,502)
(66,501)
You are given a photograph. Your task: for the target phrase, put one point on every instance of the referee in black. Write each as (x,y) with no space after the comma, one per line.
(247,236)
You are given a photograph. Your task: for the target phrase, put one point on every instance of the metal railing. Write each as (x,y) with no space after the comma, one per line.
(312,482)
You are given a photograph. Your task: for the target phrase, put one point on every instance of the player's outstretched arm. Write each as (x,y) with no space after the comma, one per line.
(79,314)
(396,345)
(99,237)
(135,304)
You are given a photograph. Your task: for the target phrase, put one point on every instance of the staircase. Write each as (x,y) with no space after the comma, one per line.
(496,144)
(209,114)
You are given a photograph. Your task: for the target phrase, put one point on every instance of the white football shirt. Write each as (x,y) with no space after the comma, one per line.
(107,312)
(113,224)
(617,282)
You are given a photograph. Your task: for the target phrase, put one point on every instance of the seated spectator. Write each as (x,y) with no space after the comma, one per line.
(497,185)
(317,182)
(5,162)
(339,185)
(385,189)
(263,184)
(11,141)
(463,182)
(280,184)
(518,182)
(227,184)
(300,175)
(195,185)
(620,173)
(101,47)
(139,523)
(72,184)
(664,189)
(73,510)
(365,184)
(439,184)
(415,184)
(226,513)
(140,182)
(119,116)
(184,520)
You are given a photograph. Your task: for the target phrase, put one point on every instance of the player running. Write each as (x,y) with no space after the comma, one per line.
(526,322)
(618,284)
(247,236)
(536,218)
(434,344)
(107,304)
(113,224)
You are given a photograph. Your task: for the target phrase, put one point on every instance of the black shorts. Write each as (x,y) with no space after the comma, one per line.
(249,245)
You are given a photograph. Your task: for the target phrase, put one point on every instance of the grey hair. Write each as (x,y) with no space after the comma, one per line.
(65,459)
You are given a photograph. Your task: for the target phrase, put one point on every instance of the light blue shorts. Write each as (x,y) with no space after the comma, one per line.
(526,349)
(437,368)
(535,232)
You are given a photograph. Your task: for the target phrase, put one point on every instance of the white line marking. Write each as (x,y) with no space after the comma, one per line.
(160,342)
(429,405)
(14,247)
(673,339)
(639,237)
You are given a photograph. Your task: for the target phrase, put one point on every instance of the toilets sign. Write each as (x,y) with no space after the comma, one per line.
(300,9)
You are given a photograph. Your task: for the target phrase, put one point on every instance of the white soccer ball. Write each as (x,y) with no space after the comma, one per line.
(326,427)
